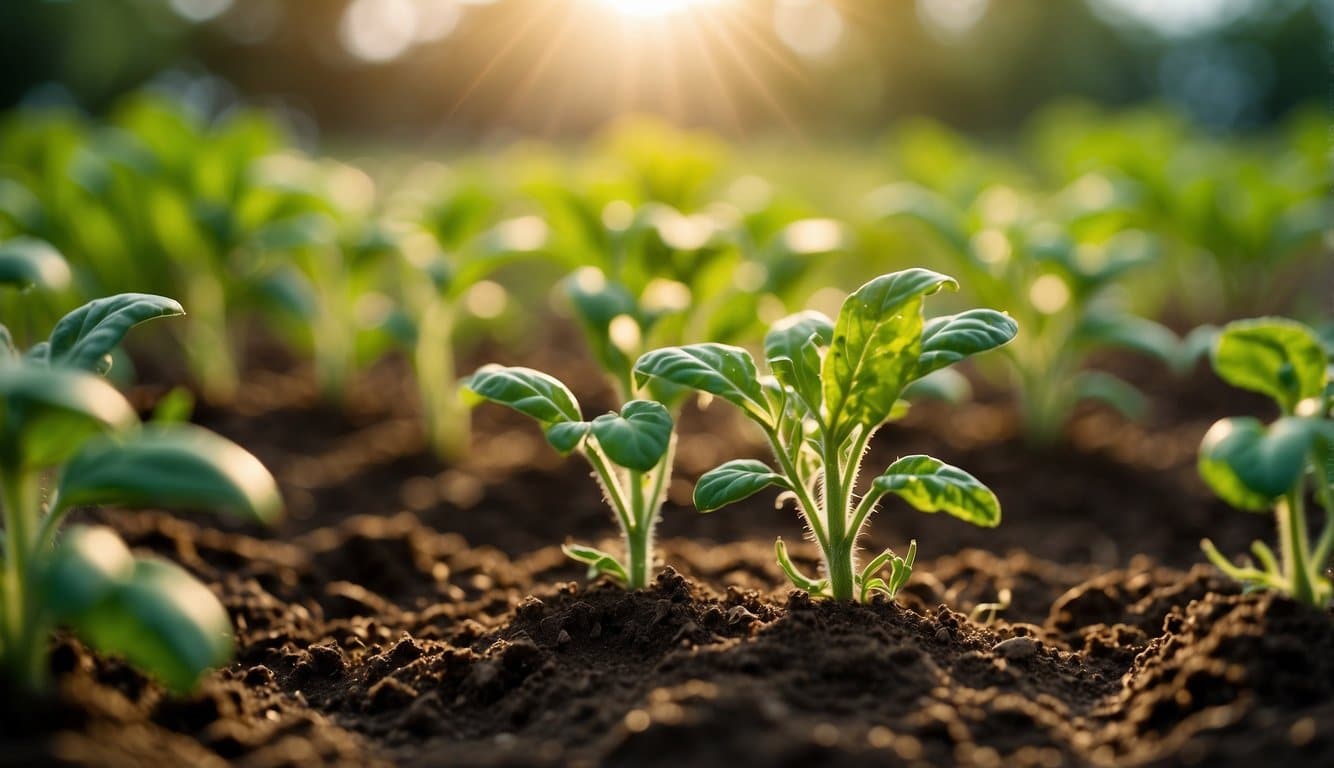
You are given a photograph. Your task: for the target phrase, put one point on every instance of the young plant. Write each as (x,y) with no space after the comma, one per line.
(630,452)
(1056,265)
(66,429)
(1259,467)
(833,384)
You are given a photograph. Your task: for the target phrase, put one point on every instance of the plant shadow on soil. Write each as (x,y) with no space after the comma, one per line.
(412,614)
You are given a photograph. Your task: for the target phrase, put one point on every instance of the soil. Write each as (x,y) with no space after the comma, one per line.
(407,613)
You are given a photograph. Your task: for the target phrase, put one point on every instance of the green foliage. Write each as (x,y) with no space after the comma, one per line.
(833,385)
(1259,467)
(57,418)
(631,454)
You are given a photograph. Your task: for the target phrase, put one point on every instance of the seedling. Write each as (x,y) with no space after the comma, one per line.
(1053,266)
(1259,467)
(630,452)
(833,384)
(62,423)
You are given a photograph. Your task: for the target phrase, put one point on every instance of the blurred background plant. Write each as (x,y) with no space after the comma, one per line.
(413,178)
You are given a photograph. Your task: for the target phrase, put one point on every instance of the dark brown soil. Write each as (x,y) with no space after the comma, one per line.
(406,613)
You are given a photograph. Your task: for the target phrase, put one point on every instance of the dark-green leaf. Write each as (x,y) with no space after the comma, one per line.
(1249,466)
(792,348)
(876,345)
(52,411)
(160,619)
(527,391)
(718,369)
(732,482)
(83,338)
(931,485)
(178,466)
(949,339)
(637,437)
(1274,356)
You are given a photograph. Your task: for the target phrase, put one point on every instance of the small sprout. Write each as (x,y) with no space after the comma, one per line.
(989,610)
(630,452)
(62,420)
(1261,467)
(833,384)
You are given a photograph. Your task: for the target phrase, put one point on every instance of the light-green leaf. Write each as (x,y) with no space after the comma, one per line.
(51,412)
(719,369)
(598,562)
(26,261)
(876,344)
(1249,466)
(178,466)
(1273,356)
(637,437)
(160,619)
(792,348)
(931,485)
(527,391)
(83,338)
(949,339)
(731,482)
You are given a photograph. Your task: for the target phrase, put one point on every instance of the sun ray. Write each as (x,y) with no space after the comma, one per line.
(494,61)
(720,83)
(729,45)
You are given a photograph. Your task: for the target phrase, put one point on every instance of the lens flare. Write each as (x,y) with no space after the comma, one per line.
(648,9)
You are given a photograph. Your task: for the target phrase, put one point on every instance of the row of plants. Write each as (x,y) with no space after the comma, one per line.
(1078,231)
(831,384)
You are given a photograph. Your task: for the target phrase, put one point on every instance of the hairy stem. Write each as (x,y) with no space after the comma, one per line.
(838,554)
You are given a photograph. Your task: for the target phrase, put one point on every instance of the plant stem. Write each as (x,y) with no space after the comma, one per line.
(809,509)
(447,421)
(838,554)
(23,637)
(1292,534)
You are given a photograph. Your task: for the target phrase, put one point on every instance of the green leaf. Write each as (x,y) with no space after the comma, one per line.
(25,262)
(527,391)
(597,561)
(83,338)
(565,436)
(1111,390)
(731,482)
(160,620)
(179,466)
(1273,356)
(799,580)
(949,339)
(875,349)
(637,437)
(86,564)
(50,412)
(931,485)
(1130,332)
(1249,466)
(792,348)
(719,369)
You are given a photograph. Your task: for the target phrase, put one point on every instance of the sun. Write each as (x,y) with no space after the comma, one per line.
(647,9)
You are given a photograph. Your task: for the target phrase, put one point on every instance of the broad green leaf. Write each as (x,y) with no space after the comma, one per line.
(792,348)
(1130,332)
(160,620)
(731,482)
(875,349)
(1249,466)
(949,339)
(1274,356)
(50,412)
(931,485)
(86,564)
(1111,390)
(637,437)
(527,391)
(565,436)
(179,466)
(597,561)
(25,261)
(83,338)
(718,369)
